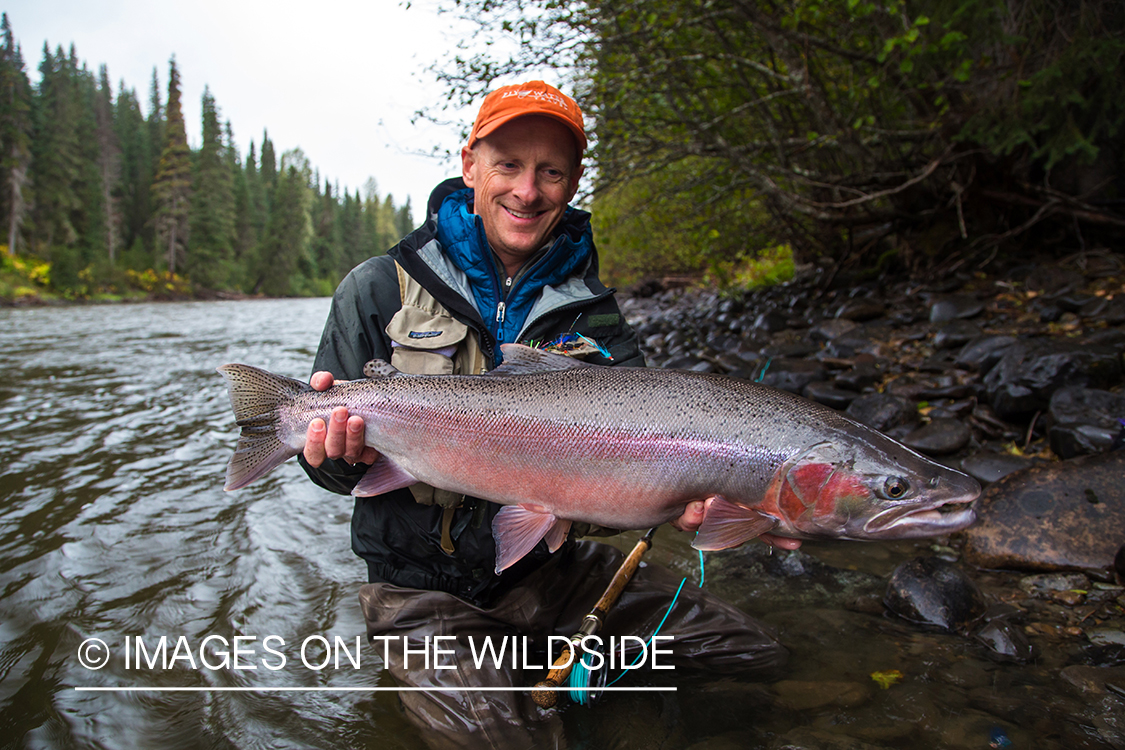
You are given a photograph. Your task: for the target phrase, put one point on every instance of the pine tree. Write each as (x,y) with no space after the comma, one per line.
(212,206)
(109,162)
(268,166)
(286,242)
(172,184)
(15,133)
(55,153)
(135,196)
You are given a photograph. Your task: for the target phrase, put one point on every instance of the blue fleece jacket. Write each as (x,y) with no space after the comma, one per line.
(461,234)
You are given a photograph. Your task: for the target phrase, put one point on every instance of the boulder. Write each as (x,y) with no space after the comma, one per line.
(1030,371)
(1064,516)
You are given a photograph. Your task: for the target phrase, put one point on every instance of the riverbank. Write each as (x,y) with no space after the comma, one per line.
(1015,377)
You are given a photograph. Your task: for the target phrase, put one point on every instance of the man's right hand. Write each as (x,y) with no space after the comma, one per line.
(342,437)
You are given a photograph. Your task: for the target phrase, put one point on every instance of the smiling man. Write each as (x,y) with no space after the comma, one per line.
(501,258)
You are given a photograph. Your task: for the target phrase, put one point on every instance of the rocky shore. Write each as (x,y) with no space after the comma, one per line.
(1016,378)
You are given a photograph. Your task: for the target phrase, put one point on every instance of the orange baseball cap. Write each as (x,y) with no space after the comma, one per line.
(531,98)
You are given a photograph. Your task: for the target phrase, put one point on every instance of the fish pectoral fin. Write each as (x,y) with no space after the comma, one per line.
(383,476)
(727,524)
(518,528)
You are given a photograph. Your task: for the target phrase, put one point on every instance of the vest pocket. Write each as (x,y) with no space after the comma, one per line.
(424,342)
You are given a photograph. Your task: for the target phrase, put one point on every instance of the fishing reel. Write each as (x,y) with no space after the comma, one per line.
(589,675)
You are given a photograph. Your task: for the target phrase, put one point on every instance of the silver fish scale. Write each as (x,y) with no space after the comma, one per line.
(763,425)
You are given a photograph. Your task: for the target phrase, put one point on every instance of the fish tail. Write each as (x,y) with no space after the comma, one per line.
(256,397)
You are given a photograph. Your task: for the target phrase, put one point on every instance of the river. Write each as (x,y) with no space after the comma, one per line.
(114,526)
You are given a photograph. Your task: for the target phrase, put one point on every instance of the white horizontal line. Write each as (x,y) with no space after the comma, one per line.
(264,689)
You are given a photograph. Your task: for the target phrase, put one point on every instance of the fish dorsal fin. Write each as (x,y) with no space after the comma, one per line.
(377,368)
(525,360)
(728,524)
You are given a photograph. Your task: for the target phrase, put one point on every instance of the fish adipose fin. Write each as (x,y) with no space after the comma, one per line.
(525,360)
(255,396)
(383,476)
(727,524)
(518,528)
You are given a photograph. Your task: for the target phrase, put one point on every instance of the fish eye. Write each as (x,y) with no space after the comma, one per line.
(895,488)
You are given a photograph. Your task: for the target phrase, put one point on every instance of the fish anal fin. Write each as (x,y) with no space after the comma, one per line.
(518,528)
(383,476)
(557,535)
(728,524)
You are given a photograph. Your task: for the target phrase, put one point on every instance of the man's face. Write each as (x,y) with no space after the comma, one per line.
(523,175)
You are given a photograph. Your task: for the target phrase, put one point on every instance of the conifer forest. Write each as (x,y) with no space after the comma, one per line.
(101,195)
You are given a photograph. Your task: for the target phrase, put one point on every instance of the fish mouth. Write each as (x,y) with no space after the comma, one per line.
(908,523)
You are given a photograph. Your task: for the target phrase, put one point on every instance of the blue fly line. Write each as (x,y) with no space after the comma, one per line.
(580,673)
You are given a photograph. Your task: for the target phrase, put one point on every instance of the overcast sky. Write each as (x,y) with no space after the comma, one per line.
(340,80)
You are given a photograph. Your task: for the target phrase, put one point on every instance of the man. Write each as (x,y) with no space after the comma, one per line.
(501,258)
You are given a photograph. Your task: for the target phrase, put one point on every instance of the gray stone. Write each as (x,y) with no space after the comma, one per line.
(939,438)
(1064,516)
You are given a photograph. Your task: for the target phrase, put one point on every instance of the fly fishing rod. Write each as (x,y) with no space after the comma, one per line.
(546,696)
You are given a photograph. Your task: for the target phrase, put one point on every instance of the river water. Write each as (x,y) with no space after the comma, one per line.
(114,526)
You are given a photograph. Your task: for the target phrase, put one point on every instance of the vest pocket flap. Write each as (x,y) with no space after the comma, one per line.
(416,328)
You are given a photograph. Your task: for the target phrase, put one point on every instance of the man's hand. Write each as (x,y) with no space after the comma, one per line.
(342,437)
(692,519)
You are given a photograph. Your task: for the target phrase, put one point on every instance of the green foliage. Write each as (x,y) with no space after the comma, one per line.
(825,116)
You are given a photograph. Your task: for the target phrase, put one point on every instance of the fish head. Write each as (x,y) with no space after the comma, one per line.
(869,490)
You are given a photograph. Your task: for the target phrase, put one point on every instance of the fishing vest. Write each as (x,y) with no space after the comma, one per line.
(427,340)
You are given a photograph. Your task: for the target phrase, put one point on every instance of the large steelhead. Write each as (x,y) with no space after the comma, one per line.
(557,440)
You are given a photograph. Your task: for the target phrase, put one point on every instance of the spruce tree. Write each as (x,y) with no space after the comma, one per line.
(15,133)
(172,184)
(55,154)
(286,242)
(135,197)
(212,205)
(268,166)
(109,162)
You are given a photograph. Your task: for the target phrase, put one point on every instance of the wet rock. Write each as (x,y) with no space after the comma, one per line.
(1053,279)
(1084,421)
(1062,516)
(1030,371)
(983,352)
(955,333)
(861,376)
(805,738)
(953,307)
(792,349)
(829,395)
(988,467)
(1106,637)
(939,438)
(861,310)
(932,591)
(793,374)
(801,695)
(771,322)
(1042,586)
(882,411)
(1114,312)
(1006,640)
(683,363)
(832,329)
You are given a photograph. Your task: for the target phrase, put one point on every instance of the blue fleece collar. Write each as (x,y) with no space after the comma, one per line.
(461,234)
